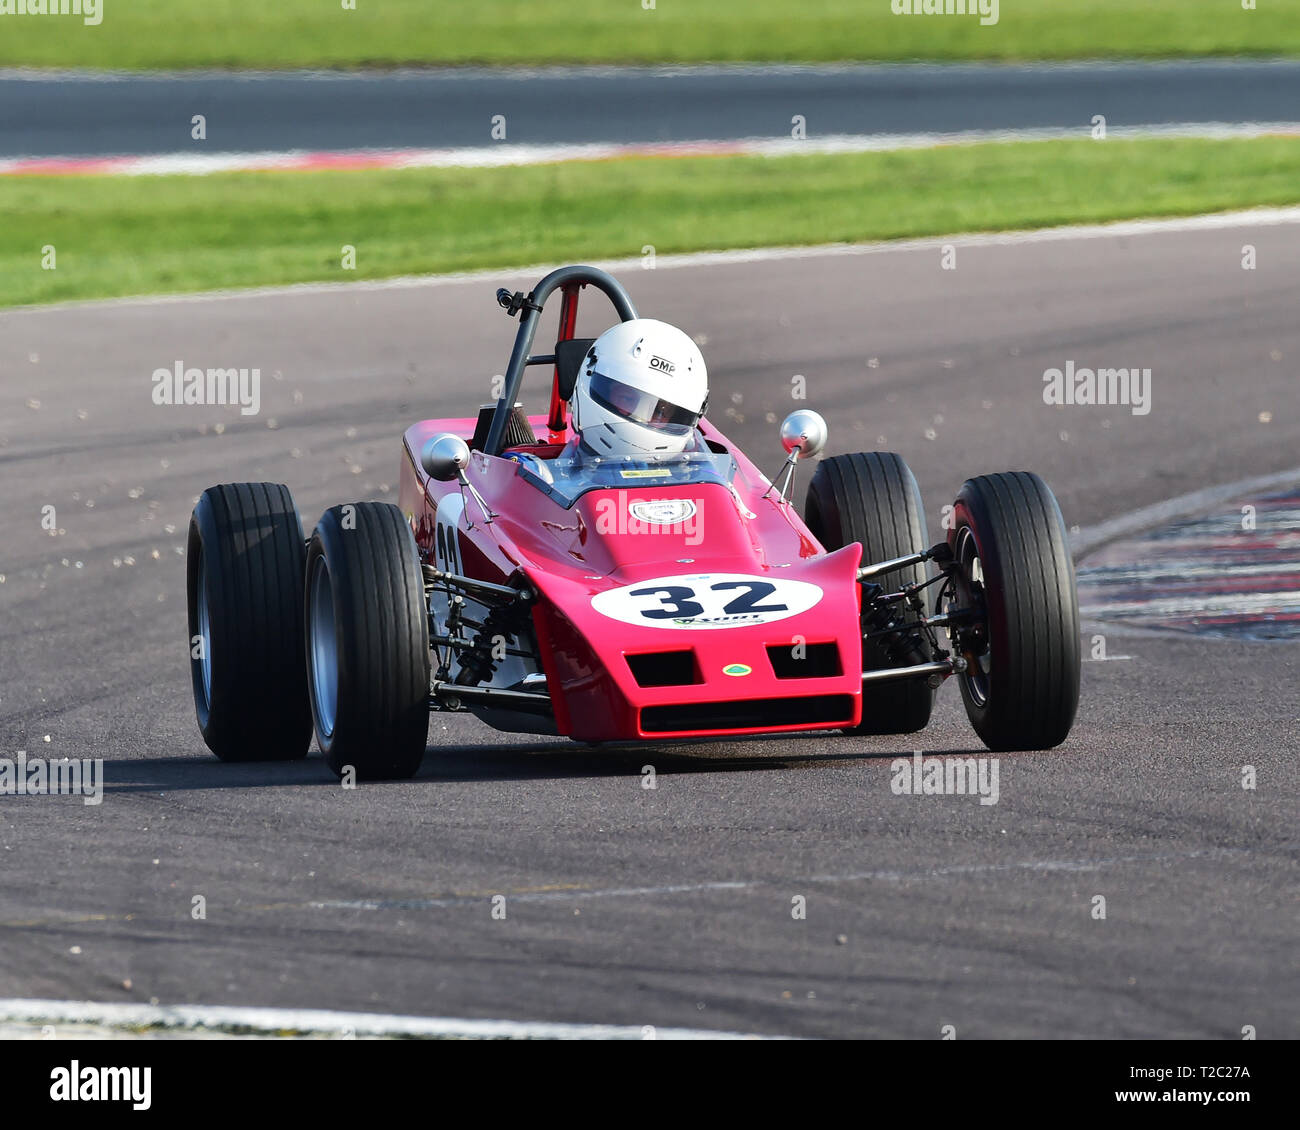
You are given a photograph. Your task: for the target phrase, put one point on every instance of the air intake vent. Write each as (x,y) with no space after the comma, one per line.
(665,669)
(518,429)
(748,714)
(806,661)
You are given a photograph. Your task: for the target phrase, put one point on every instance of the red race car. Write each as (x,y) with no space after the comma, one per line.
(554,586)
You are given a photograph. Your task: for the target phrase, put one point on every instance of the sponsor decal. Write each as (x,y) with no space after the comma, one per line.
(737,669)
(662,365)
(647,473)
(672,517)
(701,601)
(662,511)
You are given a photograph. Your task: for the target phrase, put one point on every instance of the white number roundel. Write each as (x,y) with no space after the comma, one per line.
(707,600)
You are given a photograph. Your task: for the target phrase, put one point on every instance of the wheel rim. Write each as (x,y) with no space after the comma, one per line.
(971,574)
(323,650)
(205,633)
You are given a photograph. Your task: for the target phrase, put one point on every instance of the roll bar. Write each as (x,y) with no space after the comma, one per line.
(529,307)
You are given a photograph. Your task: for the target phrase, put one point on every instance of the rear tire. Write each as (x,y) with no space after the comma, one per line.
(367,633)
(872,498)
(1021,686)
(244,564)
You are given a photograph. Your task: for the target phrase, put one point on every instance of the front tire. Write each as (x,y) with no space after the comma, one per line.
(1021,685)
(244,563)
(872,498)
(367,634)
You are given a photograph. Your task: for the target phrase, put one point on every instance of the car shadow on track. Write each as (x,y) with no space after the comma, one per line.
(523,762)
(565,760)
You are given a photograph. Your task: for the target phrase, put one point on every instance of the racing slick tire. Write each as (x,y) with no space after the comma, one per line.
(872,498)
(367,633)
(1021,685)
(244,568)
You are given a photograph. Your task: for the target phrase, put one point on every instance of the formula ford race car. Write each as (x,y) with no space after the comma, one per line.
(550,590)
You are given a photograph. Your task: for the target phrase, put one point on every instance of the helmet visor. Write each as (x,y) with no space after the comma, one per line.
(642,407)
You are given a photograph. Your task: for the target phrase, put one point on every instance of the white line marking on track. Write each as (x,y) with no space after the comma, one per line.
(1255,217)
(528,896)
(1033,865)
(500,156)
(1090,538)
(888,876)
(272,1021)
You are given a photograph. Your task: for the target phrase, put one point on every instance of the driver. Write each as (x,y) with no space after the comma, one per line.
(641,390)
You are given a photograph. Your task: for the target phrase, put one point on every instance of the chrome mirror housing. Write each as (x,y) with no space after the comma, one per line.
(804,431)
(444,457)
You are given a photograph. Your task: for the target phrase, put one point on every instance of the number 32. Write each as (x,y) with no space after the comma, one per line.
(677,601)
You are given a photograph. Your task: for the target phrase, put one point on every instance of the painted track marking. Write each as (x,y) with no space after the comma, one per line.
(238,1020)
(502,156)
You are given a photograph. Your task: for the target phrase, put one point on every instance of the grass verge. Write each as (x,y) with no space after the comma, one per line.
(136,34)
(140,235)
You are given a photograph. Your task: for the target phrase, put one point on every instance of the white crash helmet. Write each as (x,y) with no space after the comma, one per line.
(642,389)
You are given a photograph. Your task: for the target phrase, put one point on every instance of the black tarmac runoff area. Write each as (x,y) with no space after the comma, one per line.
(73,114)
(1126,884)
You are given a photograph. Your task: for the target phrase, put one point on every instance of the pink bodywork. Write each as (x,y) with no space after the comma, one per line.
(564,558)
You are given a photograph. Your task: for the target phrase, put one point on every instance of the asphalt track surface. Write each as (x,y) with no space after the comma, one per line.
(669,907)
(89,115)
